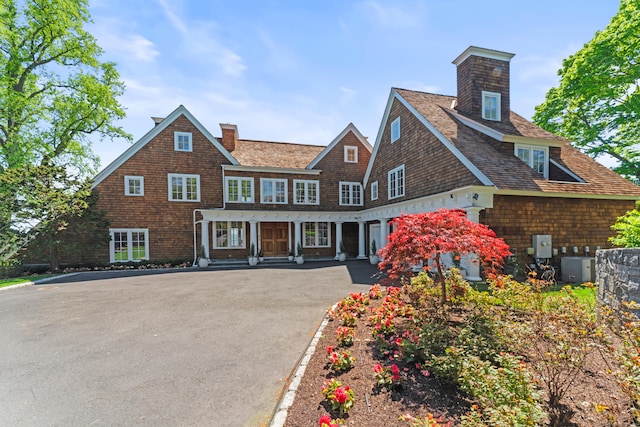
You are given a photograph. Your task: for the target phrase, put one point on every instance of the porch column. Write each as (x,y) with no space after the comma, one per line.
(296,233)
(338,237)
(362,250)
(204,227)
(253,236)
(384,232)
(472,268)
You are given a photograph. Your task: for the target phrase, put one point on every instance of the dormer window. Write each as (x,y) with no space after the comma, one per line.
(536,157)
(491,106)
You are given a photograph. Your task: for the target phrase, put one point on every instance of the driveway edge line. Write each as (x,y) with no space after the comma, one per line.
(281,410)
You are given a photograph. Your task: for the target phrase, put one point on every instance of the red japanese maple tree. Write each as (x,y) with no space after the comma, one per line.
(420,238)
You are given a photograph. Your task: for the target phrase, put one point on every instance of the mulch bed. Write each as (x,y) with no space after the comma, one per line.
(424,395)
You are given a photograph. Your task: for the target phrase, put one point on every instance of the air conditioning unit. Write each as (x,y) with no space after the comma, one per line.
(577,269)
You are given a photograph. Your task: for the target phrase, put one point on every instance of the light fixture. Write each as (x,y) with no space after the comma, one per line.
(586,249)
(475,196)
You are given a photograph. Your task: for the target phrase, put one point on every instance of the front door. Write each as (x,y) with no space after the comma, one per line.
(274,238)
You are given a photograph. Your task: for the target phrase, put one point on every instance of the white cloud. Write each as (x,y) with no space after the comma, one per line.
(347,95)
(395,16)
(173,18)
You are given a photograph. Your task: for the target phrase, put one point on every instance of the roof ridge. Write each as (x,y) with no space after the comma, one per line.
(280,142)
(427,93)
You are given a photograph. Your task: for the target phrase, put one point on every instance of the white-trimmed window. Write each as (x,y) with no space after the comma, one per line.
(182,141)
(134,185)
(536,157)
(306,192)
(350,194)
(184,188)
(128,244)
(491,106)
(317,235)
(350,154)
(273,191)
(395,130)
(229,235)
(239,190)
(396,182)
(374,190)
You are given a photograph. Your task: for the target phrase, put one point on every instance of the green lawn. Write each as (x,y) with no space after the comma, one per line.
(18,280)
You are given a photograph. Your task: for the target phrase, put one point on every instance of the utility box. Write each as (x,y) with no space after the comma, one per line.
(542,246)
(577,269)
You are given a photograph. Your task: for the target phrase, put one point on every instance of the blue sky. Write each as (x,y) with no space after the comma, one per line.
(301,71)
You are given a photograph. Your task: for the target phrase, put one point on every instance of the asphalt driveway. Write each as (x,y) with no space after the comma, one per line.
(196,347)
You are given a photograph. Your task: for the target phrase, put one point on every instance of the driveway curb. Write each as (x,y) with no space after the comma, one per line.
(281,411)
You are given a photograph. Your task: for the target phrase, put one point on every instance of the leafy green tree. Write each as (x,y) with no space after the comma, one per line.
(627,228)
(54,91)
(597,103)
(54,94)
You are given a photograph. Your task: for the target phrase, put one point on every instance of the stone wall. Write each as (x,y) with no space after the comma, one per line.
(618,275)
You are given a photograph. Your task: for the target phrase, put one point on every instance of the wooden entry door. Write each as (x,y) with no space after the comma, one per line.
(274,238)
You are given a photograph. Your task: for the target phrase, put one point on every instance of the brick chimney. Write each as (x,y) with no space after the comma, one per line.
(483,84)
(229,136)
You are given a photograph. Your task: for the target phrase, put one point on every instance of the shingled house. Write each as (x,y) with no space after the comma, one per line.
(179,188)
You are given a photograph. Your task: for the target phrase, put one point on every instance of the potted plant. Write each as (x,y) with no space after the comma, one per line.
(290,255)
(260,255)
(342,255)
(253,260)
(299,255)
(203,262)
(373,256)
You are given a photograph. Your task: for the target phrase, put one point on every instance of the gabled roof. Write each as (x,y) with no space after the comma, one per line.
(181,110)
(275,154)
(395,95)
(350,128)
(501,167)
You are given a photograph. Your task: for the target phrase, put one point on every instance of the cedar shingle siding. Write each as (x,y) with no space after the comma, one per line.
(451,156)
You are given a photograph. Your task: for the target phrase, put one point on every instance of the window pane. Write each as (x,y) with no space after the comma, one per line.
(221,235)
(344,194)
(523,154)
(280,192)
(392,184)
(323,234)
(236,236)
(300,192)
(355,188)
(309,234)
(138,245)
(400,180)
(192,188)
(312,192)
(247,191)
(267,191)
(538,160)
(120,246)
(232,190)
(176,188)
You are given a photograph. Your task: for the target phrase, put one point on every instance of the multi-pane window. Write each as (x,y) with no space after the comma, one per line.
(229,235)
(374,190)
(395,130)
(273,191)
(316,235)
(491,106)
(350,154)
(134,186)
(239,190)
(184,188)
(350,194)
(535,157)
(306,192)
(128,244)
(396,182)
(182,141)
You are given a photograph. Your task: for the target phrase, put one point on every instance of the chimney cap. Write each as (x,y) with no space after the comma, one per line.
(229,126)
(157,120)
(483,52)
